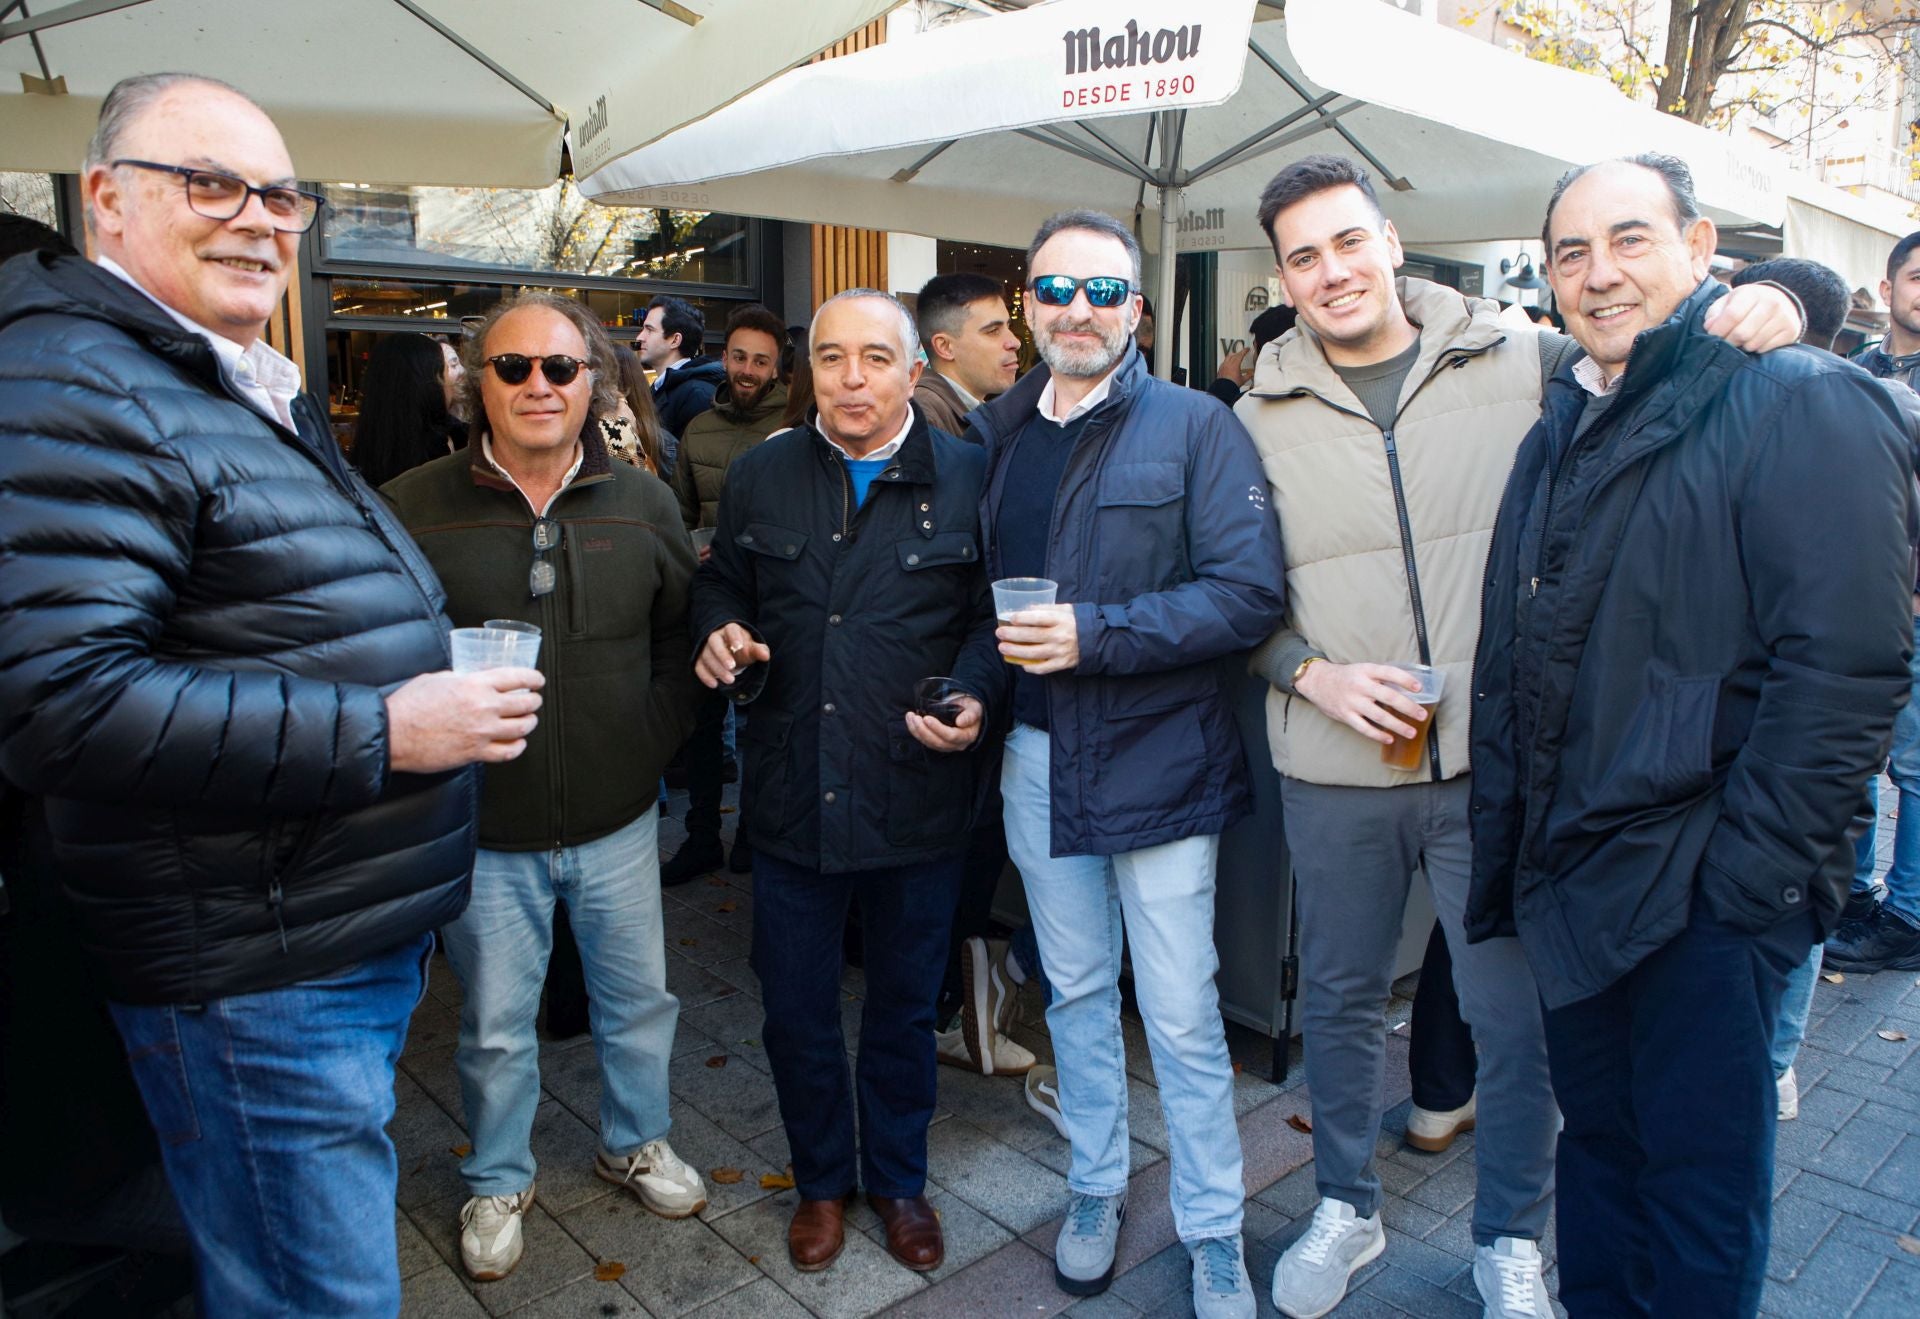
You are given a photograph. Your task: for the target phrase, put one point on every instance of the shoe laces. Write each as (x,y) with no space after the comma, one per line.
(1328,1227)
(656,1156)
(1219,1265)
(490,1209)
(1087,1214)
(1517,1278)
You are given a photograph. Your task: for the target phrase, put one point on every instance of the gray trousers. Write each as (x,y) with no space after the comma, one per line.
(1354,853)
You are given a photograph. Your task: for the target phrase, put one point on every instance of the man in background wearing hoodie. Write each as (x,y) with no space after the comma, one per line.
(746,409)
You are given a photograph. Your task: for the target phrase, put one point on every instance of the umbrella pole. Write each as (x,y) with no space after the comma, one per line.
(1163,327)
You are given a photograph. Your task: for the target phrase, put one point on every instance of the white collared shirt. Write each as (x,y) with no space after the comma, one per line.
(967,401)
(660,381)
(267,380)
(1589,376)
(1095,397)
(887,450)
(579,457)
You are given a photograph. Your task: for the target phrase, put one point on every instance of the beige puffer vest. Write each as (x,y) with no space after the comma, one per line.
(1471,397)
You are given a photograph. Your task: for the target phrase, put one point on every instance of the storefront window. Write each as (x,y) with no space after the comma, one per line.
(423,300)
(31,195)
(549,231)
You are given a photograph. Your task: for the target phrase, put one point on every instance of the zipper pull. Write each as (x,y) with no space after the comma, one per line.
(1533,589)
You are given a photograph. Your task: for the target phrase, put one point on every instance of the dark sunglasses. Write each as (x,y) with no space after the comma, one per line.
(1102,290)
(514,368)
(546,538)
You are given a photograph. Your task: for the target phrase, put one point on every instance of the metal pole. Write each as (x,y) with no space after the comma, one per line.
(1163,324)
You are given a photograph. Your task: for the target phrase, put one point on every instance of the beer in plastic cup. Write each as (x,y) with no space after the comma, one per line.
(1012,594)
(1408,752)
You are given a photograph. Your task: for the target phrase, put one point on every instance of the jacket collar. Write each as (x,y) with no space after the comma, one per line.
(912,465)
(596,463)
(1450,324)
(771,404)
(1005,415)
(74,286)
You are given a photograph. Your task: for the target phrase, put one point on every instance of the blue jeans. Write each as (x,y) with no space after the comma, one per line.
(1666,1160)
(1795,1002)
(1903,877)
(271,1109)
(499,949)
(799,921)
(1165,895)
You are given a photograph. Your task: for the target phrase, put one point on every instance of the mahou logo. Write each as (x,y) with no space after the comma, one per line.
(1087,52)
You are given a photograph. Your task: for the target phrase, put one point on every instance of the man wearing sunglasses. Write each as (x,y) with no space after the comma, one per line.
(533,521)
(222,665)
(1145,502)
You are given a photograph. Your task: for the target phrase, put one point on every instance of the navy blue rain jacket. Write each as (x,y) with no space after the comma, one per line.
(1165,541)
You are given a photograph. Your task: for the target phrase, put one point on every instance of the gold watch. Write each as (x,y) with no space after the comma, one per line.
(1300,672)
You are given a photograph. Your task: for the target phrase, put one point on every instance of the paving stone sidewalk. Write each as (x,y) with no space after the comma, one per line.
(1847,1190)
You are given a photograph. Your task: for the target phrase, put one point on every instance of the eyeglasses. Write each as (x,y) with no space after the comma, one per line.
(546,538)
(1102,290)
(216,196)
(514,368)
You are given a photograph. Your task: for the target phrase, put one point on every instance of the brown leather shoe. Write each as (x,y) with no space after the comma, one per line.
(817,1233)
(913,1231)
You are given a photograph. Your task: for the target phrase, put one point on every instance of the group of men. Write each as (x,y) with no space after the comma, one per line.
(224,675)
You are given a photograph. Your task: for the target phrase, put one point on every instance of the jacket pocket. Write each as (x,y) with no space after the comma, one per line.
(771,541)
(929,793)
(614,571)
(765,737)
(946,549)
(1140,528)
(1665,754)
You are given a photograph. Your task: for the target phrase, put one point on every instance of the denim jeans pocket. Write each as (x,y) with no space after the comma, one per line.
(152,1038)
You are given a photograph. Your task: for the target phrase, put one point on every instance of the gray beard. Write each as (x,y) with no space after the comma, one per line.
(1083,363)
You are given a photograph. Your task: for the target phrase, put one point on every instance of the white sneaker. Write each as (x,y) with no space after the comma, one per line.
(664,1184)
(1787,1086)
(490,1237)
(1433,1130)
(1009,1059)
(986,1005)
(1508,1274)
(1311,1278)
(1043,1096)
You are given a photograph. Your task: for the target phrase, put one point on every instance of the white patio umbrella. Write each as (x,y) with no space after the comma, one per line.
(462,92)
(979,130)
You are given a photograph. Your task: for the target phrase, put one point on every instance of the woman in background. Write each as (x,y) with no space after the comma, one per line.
(404,419)
(634,432)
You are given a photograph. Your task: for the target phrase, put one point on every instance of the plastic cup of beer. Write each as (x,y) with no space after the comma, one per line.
(1013,594)
(702,538)
(524,651)
(1408,752)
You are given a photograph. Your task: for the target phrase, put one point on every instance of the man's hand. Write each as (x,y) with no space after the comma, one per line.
(1044,638)
(1234,367)
(938,736)
(1364,697)
(703,552)
(1756,318)
(441,721)
(729,649)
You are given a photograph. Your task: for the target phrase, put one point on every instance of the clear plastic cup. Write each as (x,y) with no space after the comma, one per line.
(526,652)
(703,537)
(1407,752)
(477,649)
(1012,594)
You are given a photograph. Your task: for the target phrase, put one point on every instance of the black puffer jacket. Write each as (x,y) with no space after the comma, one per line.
(1693,646)
(200,613)
(856,603)
(687,392)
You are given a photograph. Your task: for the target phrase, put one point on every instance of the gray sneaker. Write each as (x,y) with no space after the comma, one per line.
(1311,1278)
(1221,1289)
(1508,1274)
(1083,1255)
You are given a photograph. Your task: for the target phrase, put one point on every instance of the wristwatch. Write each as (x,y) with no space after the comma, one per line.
(1301,670)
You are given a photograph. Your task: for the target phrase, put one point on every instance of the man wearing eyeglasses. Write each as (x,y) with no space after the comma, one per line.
(222,665)
(534,522)
(1145,503)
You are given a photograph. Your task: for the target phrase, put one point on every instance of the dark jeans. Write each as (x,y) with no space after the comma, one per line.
(1665,1081)
(705,758)
(1441,1061)
(986,860)
(906,913)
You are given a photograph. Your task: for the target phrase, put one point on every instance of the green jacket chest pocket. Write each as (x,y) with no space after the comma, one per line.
(613,573)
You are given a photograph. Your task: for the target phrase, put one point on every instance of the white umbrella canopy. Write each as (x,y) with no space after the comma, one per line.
(939,133)
(453,92)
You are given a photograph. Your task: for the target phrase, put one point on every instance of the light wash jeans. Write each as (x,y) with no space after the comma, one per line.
(499,949)
(1165,895)
(271,1109)
(1903,876)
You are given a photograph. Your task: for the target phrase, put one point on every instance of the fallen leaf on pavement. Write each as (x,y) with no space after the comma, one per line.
(773,1181)
(716,881)
(460,1150)
(726,1176)
(611,1271)
(1236,1069)
(727,906)
(1891,1036)
(1299,1123)
(1831,977)
(718,1060)
(689,943)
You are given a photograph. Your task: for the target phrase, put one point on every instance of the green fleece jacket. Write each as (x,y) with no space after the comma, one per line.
(614,647)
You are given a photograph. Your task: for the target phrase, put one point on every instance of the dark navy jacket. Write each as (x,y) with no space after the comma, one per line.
(1693,646)
(687,392)
(1164,540)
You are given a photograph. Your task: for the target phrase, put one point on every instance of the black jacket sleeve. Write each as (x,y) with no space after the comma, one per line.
(724,589)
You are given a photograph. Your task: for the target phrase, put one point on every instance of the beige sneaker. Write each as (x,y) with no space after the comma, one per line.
(986,1007)
(491,1240)
(1433,1132)
(1009,1059)
(1043,1097)
(1786,1087)
(655,1174)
